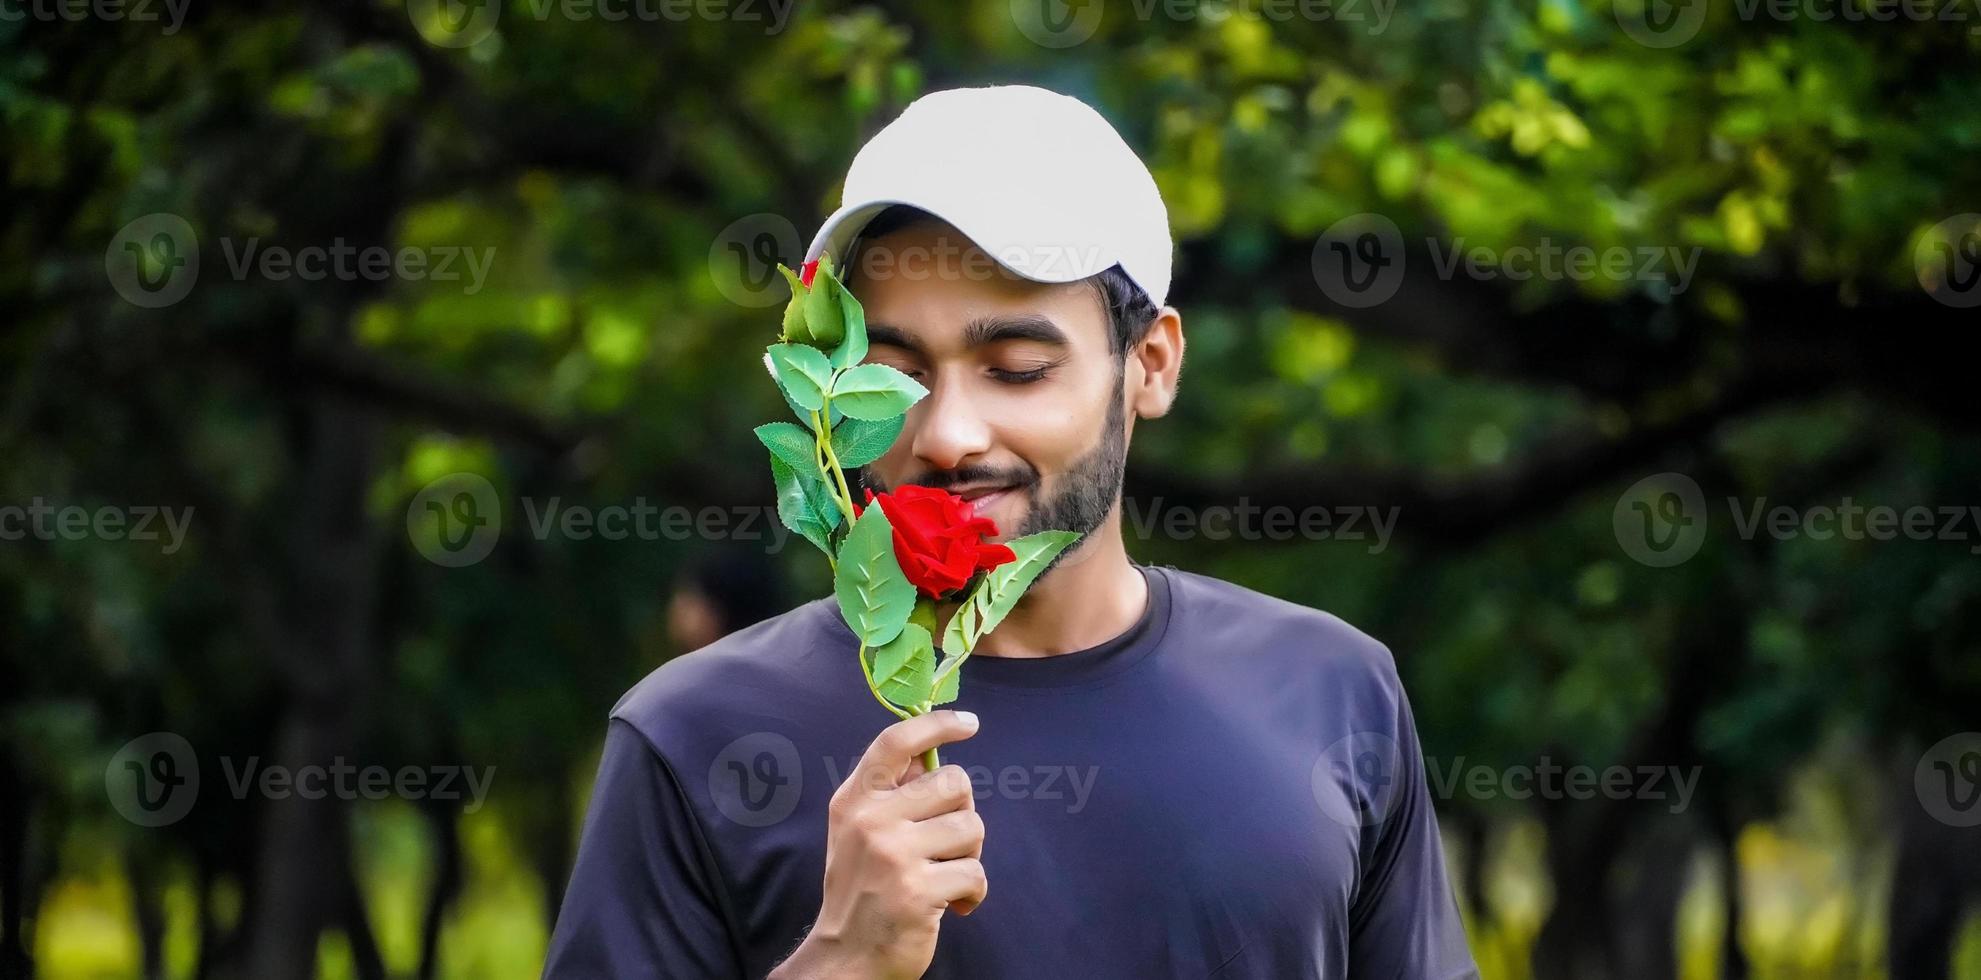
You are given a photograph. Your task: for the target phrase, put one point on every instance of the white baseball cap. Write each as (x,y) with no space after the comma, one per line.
(1038,180)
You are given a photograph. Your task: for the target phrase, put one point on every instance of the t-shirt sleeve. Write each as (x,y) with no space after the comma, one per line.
(645,897)
(1404,922)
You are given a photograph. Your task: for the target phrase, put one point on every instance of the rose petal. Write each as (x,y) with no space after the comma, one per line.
(992,555)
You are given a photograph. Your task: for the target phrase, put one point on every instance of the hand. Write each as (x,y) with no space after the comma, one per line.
(901,846)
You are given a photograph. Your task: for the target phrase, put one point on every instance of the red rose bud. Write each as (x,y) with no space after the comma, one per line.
(825,318)
(938,539)
(809,270)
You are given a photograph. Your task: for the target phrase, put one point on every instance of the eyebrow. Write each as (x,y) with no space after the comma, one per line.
(979,332)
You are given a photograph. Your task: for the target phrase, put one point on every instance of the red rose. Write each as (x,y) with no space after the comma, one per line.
(938,538)
(806,272)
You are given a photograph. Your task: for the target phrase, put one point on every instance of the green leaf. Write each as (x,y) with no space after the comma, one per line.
(1002,587)
(924,614)
(874,597)
(853,349)
(794,311)
(857,442)
(804,504)
(962,627)
(904,668)
(875,392)
(793,444)
(946,689)
(796,410)
(803,373)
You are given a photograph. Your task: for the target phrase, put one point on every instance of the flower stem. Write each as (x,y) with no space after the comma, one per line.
(829,463)
(868,673)
(930,760)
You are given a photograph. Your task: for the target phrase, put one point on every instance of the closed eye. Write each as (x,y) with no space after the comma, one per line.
(1021,377)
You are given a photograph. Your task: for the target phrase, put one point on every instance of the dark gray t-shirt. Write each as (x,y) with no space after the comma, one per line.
(1231,788)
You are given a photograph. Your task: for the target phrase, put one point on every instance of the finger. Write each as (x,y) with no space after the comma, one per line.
(931,794)
(959,834)
(960,882)
(905,741)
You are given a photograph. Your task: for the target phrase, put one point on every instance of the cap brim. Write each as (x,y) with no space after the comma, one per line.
(845,225)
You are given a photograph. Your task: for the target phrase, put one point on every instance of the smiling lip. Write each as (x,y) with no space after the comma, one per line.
(981,497)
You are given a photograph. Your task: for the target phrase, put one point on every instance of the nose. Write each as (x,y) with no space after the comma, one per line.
(949,430)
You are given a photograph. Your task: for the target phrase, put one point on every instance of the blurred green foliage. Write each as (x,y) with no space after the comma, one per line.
(1802,162)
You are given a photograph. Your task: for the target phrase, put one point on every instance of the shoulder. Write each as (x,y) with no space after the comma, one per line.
(1279,638)
(773,667)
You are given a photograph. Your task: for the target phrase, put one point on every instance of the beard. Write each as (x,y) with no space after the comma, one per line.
(1080,502)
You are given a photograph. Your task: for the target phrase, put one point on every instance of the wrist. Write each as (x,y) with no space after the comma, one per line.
(819,958)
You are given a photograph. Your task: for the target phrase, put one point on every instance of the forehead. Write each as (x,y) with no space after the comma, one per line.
(931,281)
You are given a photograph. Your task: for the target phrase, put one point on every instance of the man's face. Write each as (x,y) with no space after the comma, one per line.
(1025,414)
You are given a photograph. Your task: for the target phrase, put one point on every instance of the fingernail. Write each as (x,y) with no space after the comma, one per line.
(968,718)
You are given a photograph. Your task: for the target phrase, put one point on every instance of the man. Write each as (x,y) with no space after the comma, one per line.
(1150,773)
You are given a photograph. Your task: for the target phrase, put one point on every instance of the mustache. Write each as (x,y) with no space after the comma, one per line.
(948,479)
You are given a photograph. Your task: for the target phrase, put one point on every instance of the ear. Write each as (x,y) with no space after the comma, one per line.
(1155,365)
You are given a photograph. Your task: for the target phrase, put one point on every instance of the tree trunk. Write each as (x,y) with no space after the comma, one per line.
(444,817)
